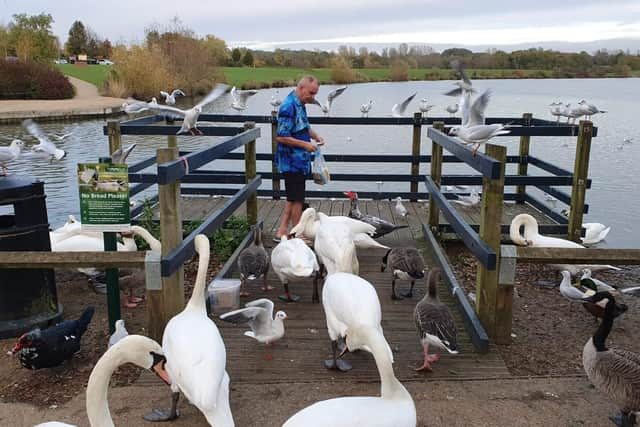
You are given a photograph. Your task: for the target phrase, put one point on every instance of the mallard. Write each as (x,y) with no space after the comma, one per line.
(406,264)
(434,323)
(614,372)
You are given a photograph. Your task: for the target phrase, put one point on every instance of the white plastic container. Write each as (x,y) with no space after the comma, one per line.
(224,295)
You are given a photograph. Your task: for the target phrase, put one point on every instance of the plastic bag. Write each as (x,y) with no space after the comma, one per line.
(319,169)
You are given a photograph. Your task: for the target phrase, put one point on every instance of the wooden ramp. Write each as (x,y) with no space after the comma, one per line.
(298,356)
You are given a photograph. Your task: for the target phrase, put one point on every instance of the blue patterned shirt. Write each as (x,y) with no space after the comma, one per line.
(293,122)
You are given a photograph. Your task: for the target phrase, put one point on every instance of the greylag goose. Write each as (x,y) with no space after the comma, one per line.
(253,262)
(614,372)
(382,226)
(435,324)
(406,264)
(265,327)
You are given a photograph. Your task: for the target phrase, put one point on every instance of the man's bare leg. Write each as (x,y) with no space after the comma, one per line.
(283,229)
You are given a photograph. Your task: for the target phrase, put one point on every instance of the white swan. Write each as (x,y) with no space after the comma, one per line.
(90,243)
(594,232)
(335,247)
(136,349)
(143,233)
(362,232)
(196,355)
(394,407)
(534,239)
(292,259)
(349,301)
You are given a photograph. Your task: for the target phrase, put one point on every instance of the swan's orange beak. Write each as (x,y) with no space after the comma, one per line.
(158,367)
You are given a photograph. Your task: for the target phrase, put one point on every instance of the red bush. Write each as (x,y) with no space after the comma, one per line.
(32,80)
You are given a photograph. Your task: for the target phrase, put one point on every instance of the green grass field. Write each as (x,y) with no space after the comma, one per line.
(94,74)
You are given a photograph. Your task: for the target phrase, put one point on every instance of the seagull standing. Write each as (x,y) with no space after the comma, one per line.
(365,108)
(170,98)
(400,209)
(425,107)
(240,98)
(398,109)
(589,109)
(119,333)
(326,107)
(258,314)
(190,117)
(275,102)
(45,145)
(556,110)
(10,153)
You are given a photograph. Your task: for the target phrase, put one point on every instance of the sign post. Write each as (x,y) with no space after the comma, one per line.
(104,206)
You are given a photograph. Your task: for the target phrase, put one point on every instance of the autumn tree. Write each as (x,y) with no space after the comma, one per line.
(247,59)
(30,37)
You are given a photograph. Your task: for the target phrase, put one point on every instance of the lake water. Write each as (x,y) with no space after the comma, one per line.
(613,197)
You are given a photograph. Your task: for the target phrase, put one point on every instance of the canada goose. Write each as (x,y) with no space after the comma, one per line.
(614,372)
(406,264)
(582,294)
(253,262)
(435,324)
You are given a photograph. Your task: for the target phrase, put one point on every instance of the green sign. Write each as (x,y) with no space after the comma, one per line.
(104,196)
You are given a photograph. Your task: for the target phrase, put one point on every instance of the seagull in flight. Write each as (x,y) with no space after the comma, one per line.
(120,155)
(326,107)
(398,109)
(240,98)
(45,145)
(170,98)
(475,131)
(189,117)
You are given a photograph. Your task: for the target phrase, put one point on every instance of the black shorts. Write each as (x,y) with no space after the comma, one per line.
(294,186)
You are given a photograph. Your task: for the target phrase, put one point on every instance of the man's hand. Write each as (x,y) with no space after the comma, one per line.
(310,147)
(319,140)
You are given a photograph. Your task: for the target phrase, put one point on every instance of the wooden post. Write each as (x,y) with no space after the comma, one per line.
(172,140)
(114,135)
(524,151)
(436,175)
(163,304)
(275,182)
(249,174)
(488,296)
(580,174)
(415,152)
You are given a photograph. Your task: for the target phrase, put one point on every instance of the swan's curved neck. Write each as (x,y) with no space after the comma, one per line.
(153,243)
(97,404)
(390,387)
(530,230)
(197,300)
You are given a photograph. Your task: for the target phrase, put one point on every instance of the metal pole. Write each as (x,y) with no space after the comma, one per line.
(113,287)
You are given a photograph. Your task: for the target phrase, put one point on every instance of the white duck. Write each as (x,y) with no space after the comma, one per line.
(292,259)
(362,232)
(594,232)
(195,351)
(394,407)
(534,239)
(349,302)
(170,98)
(265,327)
(141,351)
(189,117)
(398,109)
(335,247)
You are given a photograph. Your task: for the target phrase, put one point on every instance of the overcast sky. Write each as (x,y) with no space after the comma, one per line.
(307,24)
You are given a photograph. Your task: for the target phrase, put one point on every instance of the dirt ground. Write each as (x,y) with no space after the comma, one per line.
(548,387)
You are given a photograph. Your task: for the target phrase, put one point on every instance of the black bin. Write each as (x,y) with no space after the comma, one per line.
(28,297)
